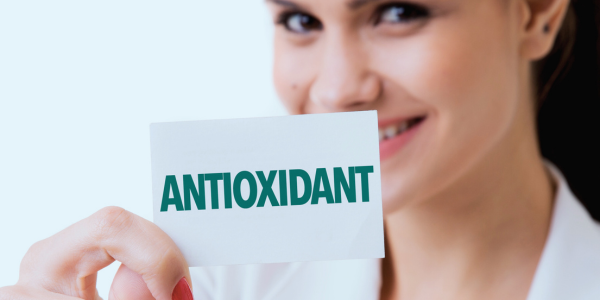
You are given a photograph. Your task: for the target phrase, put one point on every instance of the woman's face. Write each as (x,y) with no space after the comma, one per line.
(443,76)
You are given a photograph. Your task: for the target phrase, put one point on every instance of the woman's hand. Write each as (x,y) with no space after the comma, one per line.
(65,265)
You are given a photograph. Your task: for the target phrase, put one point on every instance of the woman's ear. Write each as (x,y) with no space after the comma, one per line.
(541,22)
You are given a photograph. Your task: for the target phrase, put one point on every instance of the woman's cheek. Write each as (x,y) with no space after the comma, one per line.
(284,84)
(293,72)
(461,79)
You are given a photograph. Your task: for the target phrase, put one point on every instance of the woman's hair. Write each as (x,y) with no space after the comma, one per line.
(569,102)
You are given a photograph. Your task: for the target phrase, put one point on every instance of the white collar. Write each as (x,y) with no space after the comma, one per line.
(570,264)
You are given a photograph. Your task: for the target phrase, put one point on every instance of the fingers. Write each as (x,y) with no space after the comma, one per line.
(67,262)
(17,292)
(129,285)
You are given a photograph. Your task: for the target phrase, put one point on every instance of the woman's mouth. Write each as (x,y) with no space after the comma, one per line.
(393,136)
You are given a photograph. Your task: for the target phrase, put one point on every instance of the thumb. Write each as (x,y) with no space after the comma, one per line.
(129,285)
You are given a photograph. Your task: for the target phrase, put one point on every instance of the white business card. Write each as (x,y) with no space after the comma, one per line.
(269,190)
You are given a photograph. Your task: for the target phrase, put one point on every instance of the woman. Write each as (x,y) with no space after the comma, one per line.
(472,210)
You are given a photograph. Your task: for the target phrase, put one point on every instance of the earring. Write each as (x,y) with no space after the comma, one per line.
(546,28)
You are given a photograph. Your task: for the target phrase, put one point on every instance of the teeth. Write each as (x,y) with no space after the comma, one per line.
(393,130)
(390,132)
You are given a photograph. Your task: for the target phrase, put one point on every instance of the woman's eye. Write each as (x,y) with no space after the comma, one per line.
(400,13)
(300,22)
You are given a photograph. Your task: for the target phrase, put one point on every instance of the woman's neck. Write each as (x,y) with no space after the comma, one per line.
(479,239)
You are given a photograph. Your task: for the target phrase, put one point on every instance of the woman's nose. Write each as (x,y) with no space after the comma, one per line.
(344,80)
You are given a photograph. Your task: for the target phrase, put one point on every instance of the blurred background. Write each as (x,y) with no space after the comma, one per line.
(80,82)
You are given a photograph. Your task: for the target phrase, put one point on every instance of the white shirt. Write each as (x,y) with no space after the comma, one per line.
(568,269)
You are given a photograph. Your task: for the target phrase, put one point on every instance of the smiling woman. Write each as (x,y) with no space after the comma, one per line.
(473,210)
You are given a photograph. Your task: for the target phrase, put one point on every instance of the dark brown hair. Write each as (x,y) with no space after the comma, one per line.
(569,102)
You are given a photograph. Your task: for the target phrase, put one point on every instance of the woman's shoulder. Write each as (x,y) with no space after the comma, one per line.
(290,281)
(570,264)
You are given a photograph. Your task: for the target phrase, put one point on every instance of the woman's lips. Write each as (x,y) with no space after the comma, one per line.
(394,135)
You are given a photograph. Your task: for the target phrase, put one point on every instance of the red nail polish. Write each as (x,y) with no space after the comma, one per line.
(182,291)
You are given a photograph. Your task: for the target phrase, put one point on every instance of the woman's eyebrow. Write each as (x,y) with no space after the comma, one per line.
(286,3)
(353,4)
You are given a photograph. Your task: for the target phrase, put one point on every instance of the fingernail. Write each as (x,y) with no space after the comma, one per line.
(182,291)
